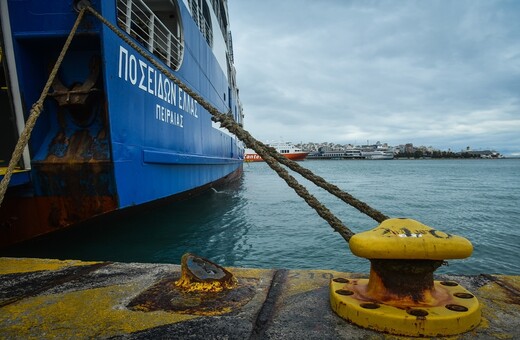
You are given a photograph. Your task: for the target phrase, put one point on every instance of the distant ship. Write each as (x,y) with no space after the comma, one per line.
(285,148)
(352,153)
(377,154)
(115,132)
(326,153)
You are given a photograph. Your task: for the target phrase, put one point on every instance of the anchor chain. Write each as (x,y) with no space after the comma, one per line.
(35,112)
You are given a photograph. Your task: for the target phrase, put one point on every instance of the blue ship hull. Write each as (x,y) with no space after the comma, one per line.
(115,131)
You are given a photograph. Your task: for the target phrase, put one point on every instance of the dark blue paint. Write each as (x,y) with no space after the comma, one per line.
(150,159)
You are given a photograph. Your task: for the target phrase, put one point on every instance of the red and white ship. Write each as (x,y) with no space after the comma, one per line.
(285,148)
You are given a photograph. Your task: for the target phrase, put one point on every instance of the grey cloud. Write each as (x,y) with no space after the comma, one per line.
(435,72)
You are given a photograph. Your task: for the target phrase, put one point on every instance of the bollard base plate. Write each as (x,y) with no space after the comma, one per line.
(458,314)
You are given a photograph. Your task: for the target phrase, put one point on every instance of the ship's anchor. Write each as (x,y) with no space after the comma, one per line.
(79,93)
(79,99)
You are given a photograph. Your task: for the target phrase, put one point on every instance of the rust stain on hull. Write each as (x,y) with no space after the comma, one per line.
(23,218)
(74,182)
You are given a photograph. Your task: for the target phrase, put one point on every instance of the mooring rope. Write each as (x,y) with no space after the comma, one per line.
(35,112)
(229,123)
(268,154)
(270,159)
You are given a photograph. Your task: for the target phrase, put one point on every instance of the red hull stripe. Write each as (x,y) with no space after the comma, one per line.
(253,157)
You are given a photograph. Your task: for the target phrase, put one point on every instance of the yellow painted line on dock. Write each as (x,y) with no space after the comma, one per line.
(21,265)
(498,299)
(302,280)
(90,313)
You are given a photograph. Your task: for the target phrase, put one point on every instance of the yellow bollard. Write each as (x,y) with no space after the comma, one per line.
(400,296)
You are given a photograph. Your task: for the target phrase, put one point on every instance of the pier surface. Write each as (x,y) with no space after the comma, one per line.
(42,298)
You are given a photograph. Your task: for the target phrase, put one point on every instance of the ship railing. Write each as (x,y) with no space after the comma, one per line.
(202,23)
(208,33)
(230,47)
(140,22)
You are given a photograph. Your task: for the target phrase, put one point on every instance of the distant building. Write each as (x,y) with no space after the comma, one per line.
(484,153)
(328,150)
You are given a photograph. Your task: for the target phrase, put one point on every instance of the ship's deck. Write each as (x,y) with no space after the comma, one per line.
(72,299)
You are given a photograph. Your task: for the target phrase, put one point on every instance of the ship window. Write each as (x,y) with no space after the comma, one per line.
(155,24)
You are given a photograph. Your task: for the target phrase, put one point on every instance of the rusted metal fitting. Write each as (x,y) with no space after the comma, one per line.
(204,288)
(201,275)
(79,93)
(402,282)
(401,296)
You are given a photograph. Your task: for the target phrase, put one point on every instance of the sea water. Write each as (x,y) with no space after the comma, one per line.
(260,222)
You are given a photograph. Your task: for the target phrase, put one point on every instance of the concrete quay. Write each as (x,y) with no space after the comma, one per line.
(45,298)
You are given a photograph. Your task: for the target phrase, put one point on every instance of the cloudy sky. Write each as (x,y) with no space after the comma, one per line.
(440,73)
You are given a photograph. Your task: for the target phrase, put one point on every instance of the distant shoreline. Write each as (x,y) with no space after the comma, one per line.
(409,159)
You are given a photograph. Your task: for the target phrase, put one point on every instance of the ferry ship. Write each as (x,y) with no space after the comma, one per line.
(287,149)
(115,132)
(338,154)
(377,154)
(352,153)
